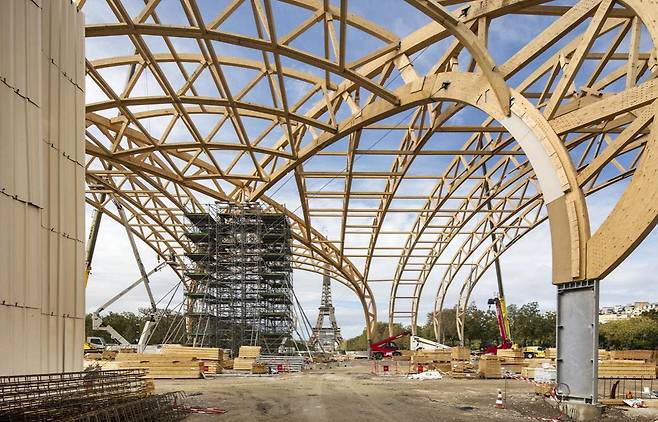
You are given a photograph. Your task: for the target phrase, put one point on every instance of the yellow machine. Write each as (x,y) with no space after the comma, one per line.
(534,352)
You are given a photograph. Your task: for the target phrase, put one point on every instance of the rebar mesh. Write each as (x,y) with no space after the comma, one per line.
(114,395)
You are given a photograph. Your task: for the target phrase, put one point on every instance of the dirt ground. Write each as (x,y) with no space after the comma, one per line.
(353,393)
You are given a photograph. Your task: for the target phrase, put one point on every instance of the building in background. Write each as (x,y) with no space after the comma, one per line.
(618,312)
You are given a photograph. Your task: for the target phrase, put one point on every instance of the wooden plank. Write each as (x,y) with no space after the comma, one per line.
(249,351)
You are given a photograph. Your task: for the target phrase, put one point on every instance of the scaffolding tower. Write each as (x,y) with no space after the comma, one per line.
(240,278)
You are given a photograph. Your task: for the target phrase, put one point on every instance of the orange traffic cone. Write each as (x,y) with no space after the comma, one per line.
(499,400)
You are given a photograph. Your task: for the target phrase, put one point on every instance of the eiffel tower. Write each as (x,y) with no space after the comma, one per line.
(326,338)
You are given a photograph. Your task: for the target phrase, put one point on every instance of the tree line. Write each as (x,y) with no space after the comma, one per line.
(633,333)
(530,326)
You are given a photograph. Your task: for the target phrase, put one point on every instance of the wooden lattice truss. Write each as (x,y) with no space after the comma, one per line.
(407,159)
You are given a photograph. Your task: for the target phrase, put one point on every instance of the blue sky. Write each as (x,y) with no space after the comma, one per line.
(526,266)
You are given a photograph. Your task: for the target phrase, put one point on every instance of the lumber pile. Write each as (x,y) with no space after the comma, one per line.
(489,366)
(604,354)
(405,355)
(540,369)
(246,358)
(627,369)
(437,359)
(198,353)
(537,362)
(463,369)
(643,355)
(510,355)
(544,389)
(101,355)
(157,365)
(259,368)
(432,356)
(460,353)
(511,360)
(551,353)
(227,364)
(210,356)
(528,372)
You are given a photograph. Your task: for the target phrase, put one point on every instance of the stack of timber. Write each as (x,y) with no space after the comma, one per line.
(429,356)
(528,372)
(511,360)
(259,368)
(637,369)
(246,358)
(604,354)
(551,353)
(439,359)
(101,355)
(157,365)
(463,369)
(531,365)
(210,356)
(461,353)
(405,355)
(489,367)
(642,355)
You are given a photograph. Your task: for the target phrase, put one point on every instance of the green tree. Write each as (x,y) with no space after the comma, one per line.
(633,333)
(448,333)
(128,324)
(529,326)
(480,327)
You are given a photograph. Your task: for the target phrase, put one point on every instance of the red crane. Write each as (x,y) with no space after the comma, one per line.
(386,347)
(503,326)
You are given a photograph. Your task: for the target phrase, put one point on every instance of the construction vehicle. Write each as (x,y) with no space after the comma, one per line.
(97,319)
(503,325)
(387,347)
(530,352)
(94,344)
(499,300)
(419,343)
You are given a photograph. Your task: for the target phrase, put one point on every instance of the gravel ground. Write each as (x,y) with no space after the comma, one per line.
(353,393)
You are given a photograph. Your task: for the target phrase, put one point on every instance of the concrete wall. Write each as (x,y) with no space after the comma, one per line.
(41,186)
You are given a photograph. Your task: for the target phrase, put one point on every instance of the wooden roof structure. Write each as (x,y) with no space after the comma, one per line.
(429,150)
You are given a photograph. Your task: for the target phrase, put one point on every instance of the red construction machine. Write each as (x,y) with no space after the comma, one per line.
(503,326)
(386,347)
